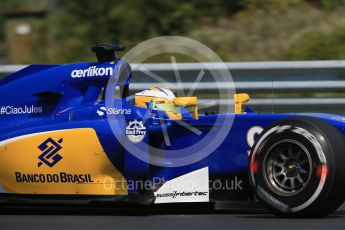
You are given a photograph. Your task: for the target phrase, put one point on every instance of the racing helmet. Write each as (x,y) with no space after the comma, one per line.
(159,99)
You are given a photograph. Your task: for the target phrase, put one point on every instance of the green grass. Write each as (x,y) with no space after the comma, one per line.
(298,33)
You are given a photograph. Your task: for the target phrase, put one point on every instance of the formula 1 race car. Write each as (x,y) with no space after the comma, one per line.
(64,137)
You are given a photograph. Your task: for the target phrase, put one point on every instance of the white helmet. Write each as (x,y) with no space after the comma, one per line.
(157,92)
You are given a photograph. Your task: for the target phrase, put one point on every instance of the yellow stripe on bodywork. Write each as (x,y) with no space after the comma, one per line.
(83,159)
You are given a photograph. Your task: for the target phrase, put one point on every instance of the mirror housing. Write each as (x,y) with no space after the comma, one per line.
(188,102)
(239,99)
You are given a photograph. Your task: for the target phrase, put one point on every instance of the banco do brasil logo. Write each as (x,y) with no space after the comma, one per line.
(50,152)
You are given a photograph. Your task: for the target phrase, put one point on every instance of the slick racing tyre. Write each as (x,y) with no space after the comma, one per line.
(297,167)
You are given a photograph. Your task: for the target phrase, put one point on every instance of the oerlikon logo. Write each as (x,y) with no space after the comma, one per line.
(92,71)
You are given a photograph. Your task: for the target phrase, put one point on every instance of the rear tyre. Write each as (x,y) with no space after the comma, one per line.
(297,167)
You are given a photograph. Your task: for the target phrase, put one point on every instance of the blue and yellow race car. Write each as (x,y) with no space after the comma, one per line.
(73,133)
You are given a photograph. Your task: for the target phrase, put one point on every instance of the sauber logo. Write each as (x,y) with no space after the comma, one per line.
(92,71)
(50,155)
(252,135)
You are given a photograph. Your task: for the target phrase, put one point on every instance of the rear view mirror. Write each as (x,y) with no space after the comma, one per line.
(188,102)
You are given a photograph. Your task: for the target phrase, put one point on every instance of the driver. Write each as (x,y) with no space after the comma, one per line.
(159,99)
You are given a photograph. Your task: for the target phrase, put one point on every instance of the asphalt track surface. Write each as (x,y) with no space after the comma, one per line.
(104,219)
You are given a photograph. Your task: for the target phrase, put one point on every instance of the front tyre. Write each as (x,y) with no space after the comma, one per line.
(297,167)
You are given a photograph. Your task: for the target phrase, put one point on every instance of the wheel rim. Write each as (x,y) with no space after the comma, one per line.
(287,168)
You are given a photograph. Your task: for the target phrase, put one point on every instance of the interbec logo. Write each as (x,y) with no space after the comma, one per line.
(50,155)
(176,194)
(92,71)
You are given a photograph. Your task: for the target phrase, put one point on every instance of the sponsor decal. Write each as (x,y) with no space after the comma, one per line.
(92,71)
(252,134)
(13,110)
(61,177)
(50,155)
(176,194)
(113,111)
(190,187)
(135,131)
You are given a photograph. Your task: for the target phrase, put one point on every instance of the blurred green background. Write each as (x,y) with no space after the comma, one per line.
(58,31)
